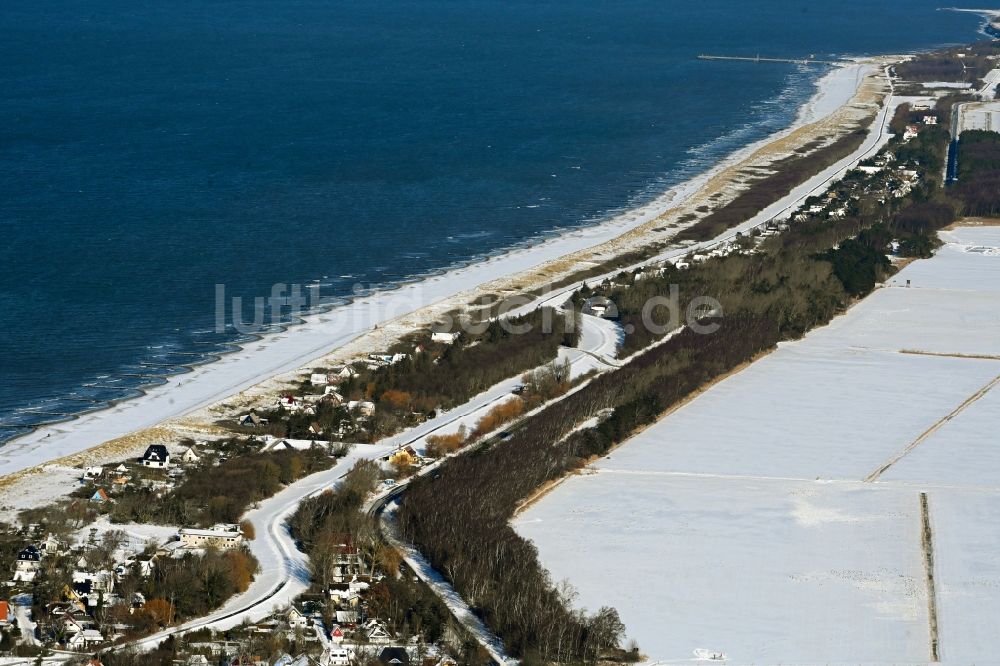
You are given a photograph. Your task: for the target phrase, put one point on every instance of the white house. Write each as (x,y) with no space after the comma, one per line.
(84,639)
(272,444)
(318,379)
(190,455)
(156,456)
(442,336)
(337,656)
(376,632)
(223,536)
(342,372)
(365,407)
(297,619)
(28,564)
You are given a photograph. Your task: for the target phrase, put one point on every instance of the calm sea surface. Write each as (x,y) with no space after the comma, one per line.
(151,149)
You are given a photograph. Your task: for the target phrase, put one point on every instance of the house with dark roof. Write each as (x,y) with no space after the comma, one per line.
(28,564)
(156,456)
(393,656)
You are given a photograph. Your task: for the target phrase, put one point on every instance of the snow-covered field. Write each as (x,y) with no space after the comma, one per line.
(776,518)
(763,570)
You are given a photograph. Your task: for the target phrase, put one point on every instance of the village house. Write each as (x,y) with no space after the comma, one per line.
(330,393)
(222,536)
(100,496)
(51,545)
(341,373)
(376,632)
(444,337)
(363,407)
(404,457)
(289,403)
(190,455)
(347,560)
(318,379)
(272,444)
(347,618)
(297,618)
(144,564)
(85,639)
(76,622)
(251,420)
(394,656)
(93,473)
(28,564)
(5,615)
(156,457)
(337,656)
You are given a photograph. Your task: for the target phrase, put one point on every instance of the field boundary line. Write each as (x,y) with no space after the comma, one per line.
(971,400)
(927,546)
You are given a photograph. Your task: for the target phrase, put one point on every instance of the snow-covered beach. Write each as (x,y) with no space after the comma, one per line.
(272,360)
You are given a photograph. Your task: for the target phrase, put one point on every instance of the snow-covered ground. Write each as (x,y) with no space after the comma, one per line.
(966,535)
(765,571)
(776,517)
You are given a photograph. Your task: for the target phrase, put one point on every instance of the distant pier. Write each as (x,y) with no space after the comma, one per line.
(793,61)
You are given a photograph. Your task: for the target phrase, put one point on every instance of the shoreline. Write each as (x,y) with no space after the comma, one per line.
(641,208)
(263,365)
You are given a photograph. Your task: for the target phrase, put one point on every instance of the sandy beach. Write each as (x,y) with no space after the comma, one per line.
(187,405)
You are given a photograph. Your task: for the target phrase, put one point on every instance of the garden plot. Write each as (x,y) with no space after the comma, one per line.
(764,571)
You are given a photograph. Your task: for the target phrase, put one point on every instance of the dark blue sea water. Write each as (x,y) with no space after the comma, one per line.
(151,149)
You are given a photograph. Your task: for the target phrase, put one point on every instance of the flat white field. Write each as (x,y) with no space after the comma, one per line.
(807,412)
(966,538)
(765,571)
(776,517)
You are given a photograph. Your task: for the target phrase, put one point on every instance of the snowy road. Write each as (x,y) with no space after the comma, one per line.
(284,573)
